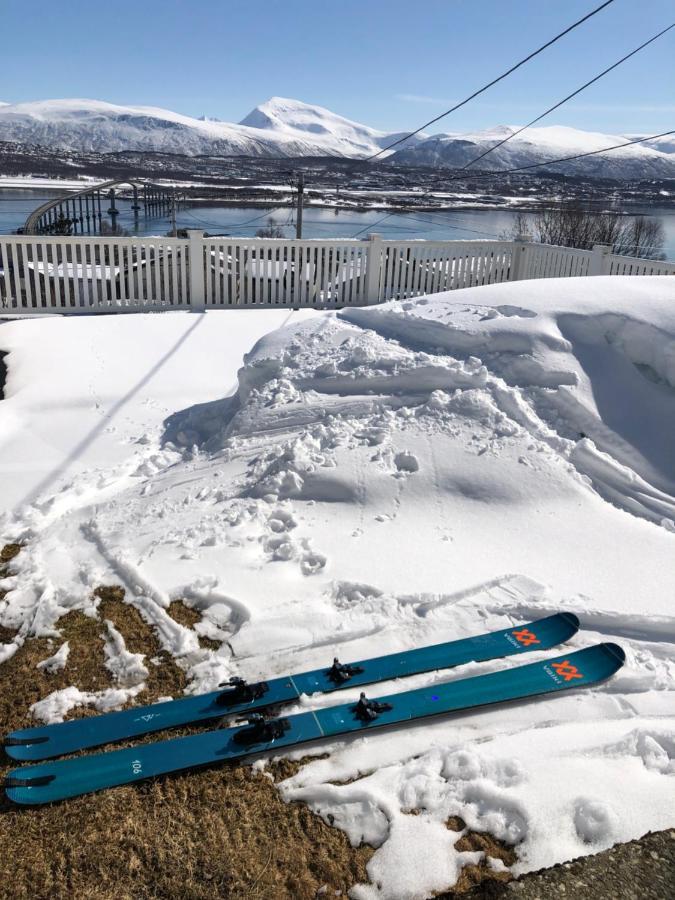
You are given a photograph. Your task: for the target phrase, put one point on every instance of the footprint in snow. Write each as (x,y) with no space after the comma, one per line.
(312,563)
(594,821)
(406,463)
(281,521)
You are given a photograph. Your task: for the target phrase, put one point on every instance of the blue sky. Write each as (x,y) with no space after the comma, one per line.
(389,63)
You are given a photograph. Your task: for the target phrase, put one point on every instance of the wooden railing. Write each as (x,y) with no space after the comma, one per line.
(48,274)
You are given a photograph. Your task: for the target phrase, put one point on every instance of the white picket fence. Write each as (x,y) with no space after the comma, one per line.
(114,274)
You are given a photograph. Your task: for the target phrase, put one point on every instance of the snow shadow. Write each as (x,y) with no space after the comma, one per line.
(105,421)
(200,424)
(638,408)
(3,374)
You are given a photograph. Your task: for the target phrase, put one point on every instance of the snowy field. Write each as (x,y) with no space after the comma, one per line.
(372,480)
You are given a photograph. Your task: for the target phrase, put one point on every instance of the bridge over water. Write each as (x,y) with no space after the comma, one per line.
(85,211)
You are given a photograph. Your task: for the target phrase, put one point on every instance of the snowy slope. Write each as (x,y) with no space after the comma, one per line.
(654,159)
(282,127)
(385,477)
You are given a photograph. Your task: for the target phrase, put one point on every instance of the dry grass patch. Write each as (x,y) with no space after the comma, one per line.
(22,683)
(488,881)
(9,551)
(222,832)
(165,677)
(218,833)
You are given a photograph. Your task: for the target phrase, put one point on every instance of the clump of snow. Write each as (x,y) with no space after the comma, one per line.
(57,661)
(385,478)
(56,706)
(126,668)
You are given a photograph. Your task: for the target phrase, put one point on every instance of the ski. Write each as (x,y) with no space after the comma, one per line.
(237,697)
(60,779)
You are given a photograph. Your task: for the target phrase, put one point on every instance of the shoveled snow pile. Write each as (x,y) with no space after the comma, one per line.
(384,478)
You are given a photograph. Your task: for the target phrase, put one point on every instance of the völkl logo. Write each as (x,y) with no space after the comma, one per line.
(525,637)
(566,670)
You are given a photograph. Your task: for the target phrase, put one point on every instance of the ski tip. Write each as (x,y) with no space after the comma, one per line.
(572,620)
(616,651)
(20,747)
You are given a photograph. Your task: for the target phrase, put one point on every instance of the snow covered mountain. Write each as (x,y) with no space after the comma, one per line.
(652,159)
(279,127)
(289,128)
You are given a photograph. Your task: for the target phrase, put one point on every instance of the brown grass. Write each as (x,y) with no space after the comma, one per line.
(217,833)
(210,834)
(223,832)
(473,875)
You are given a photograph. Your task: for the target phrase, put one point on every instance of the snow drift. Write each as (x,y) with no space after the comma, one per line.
(389,477)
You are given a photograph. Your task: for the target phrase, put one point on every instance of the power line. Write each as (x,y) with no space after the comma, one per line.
(267,212)
(373,224)
(448,224)
(494,81)
(569,96)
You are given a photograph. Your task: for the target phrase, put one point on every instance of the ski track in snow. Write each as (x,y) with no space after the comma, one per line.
(391,477)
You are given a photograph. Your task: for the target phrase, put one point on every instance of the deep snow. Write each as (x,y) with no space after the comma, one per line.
(382,478)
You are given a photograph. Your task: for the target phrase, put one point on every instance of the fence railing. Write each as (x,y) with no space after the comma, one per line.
(114,274)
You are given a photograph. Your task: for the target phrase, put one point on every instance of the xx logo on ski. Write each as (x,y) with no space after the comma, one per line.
(566,670)
(525,637)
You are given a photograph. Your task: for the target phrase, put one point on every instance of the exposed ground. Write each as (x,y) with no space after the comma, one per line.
(638,870)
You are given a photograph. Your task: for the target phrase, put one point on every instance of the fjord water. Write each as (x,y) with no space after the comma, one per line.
(457,224)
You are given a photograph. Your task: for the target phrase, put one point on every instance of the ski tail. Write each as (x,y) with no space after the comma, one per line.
(47,741)
(61,779)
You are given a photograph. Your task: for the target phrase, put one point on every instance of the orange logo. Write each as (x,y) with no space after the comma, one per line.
(567,670)
(525,637)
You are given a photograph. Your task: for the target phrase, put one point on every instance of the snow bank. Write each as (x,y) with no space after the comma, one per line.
(386,478)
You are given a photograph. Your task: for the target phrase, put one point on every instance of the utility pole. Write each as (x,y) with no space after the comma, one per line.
(301,191)
(173,214)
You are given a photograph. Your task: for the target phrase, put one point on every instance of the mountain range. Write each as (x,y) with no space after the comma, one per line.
(290,128)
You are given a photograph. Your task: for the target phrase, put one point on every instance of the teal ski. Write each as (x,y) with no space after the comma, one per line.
(237,697)
(60,779)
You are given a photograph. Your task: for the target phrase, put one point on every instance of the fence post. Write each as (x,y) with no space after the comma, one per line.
(373,265)
(600,260)
(195,248)
(517,270)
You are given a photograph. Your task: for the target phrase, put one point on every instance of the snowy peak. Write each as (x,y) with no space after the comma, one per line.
(281,114)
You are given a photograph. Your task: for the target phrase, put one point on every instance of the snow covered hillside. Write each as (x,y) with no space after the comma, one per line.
(378,478)
(654,159)
(282,127)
